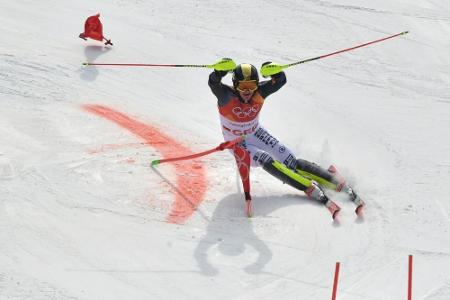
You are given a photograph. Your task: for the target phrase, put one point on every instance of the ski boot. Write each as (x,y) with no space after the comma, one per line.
(316,193)
(342,186)
(299,182)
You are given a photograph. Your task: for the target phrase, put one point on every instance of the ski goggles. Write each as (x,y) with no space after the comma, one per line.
(247,86)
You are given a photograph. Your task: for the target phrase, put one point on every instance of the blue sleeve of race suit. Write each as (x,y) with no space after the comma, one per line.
(271,86)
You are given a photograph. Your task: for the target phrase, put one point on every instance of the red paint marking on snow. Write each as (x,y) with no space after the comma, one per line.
(410,270)
(335,283)
(129,160)
(108,147)
(191,180)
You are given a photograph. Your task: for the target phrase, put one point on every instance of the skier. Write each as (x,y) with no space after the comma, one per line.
(239,107)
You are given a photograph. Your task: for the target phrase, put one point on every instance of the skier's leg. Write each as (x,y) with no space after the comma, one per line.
(311,188)
(346,188)
(261,158)
(328,178)
(319,174)
(262,139)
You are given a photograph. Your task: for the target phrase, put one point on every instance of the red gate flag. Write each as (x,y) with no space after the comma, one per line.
(93,29)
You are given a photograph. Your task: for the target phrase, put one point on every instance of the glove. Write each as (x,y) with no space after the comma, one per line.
(225,65)
(220,73)
(274,76)
(265,63)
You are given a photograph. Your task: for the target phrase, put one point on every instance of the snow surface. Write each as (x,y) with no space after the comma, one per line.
(84,216)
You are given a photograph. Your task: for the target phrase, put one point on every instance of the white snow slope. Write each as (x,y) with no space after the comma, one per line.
(84,216)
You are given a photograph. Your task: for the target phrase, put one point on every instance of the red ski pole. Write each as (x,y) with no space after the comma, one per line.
(272,68)
(225,64)
(222,146)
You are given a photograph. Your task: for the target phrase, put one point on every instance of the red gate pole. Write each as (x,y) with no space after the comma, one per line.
(336,279)
(410,270)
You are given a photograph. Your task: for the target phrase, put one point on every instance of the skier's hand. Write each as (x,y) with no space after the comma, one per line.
(224,65)
(220,73)
(270,69)
(264,64)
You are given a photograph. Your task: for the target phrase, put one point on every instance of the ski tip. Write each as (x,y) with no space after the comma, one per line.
(335,214)
(333,208)
(155,162)
(336,219)
(359,211)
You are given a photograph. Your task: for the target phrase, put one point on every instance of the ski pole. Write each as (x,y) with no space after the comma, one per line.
(225,64)
(272,68)
(222,146)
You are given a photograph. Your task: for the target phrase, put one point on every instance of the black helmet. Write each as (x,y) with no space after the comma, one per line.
(245,72)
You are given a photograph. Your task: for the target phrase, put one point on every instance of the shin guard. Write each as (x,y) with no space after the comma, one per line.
(325,178)
(286,175)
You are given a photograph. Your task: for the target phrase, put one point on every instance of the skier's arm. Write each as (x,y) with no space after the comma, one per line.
(220,90)
(271,86)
